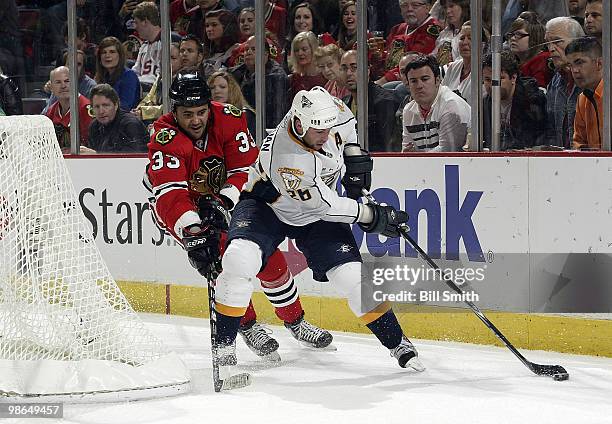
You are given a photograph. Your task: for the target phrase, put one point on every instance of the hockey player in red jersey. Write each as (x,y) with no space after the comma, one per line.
(199,157)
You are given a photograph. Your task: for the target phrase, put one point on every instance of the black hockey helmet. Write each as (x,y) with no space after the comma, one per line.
(189,89)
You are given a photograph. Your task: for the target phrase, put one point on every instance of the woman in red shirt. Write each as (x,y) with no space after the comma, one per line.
(304,72)
(526,39)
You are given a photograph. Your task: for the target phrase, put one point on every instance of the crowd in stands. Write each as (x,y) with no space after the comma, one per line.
(419,55)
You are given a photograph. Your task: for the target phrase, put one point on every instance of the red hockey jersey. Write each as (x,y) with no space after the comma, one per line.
(181,169)
(62,122)
(400,41)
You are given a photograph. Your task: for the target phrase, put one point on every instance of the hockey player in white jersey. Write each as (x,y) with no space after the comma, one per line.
(291,193)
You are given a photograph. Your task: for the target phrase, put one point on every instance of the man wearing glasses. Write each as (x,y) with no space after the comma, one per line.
(561,92)
(417,33)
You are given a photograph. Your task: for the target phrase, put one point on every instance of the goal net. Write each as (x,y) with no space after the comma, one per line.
(66,330)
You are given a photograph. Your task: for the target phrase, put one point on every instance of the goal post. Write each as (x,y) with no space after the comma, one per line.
(66,330)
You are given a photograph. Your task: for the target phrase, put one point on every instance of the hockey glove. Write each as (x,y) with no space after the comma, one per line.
(201,241)
(386,220)
(213,212)
(358,173)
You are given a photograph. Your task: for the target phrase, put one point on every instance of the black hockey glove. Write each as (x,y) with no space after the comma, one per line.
(358,173)
(386,220)
(201,241)
(213,211)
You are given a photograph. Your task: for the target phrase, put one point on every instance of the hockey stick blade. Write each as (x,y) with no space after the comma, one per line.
(557,372)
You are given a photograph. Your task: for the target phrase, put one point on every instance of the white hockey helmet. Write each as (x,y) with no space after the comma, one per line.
(315,109)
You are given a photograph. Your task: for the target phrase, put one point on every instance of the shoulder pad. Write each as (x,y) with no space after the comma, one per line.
(165,136)
(232,110)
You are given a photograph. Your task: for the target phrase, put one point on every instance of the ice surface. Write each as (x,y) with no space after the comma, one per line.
(360,383)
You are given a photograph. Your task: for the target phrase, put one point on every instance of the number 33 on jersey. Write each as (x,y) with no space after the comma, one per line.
(181,169)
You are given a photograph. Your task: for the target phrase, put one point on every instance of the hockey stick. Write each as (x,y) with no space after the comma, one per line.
(235,381)
(557,372)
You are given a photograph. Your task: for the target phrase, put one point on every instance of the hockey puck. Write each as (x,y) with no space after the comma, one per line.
(562,376)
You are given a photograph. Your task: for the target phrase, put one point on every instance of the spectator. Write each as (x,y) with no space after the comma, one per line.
(150,107)
(85,82)
(381,105)
(584,56)
(303,18)
(561,92)
(447,43)
(225,89)
(59,112)
(457,76)
(113,130)
(436,120)
(523,106)
(404,92)
(148,25)
(577,9)
(276,22)
(111,69)
(418,32)
(304,72)
(347,29)
(327,59)
(82,43)
(220,40)
(10,97)
(189,16)
(526,39)
(277,83)
(191,51)
(593,18)
(246,22)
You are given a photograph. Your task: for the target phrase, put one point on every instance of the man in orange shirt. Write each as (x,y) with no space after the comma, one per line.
(584,56)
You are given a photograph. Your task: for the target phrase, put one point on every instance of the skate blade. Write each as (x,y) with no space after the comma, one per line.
(271,357)
(329,348)
(415,364)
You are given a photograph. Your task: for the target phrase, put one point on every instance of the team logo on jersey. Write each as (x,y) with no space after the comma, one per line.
(306,102)
(210,176)
(90,111)
(433,30)
(165,136)
(243,224)
(232,110)
(291,177)
(345,248)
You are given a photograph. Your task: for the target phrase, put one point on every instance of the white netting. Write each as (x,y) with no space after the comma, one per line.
(59,304)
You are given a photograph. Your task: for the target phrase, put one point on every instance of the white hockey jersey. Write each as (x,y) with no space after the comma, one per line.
(305,178)
(148,62)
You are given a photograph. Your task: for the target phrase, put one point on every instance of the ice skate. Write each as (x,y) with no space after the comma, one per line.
(310,335)
(407,355)
(258,339)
